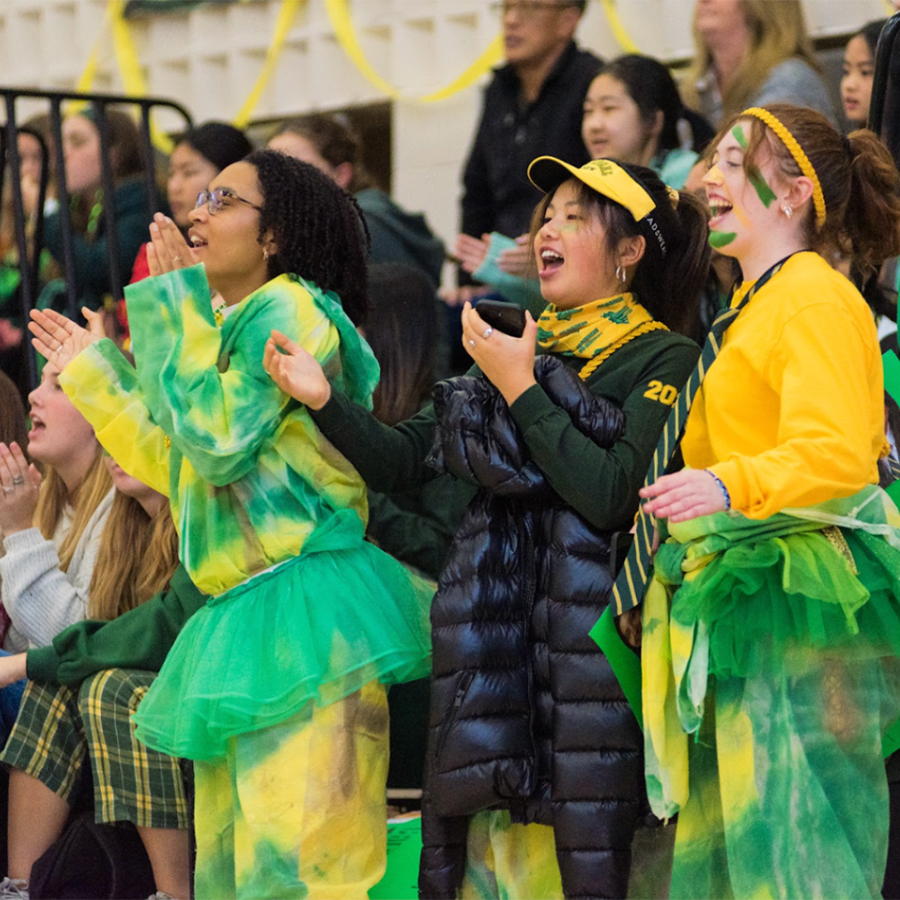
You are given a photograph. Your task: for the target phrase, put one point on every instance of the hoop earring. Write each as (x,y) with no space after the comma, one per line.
(788,210)
(621,274)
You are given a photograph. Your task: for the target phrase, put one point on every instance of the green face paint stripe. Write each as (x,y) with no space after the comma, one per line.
(719,239)
(739,136)
(761,186)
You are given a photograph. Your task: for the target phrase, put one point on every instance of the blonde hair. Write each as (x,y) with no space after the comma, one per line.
(136,559)
(777,33)
(54,496)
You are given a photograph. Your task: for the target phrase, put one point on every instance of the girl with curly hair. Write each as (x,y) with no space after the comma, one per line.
(276,688)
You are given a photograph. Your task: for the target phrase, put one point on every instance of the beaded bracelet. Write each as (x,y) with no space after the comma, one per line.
(721,485)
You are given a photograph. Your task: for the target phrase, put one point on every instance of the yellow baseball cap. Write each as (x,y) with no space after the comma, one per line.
(604,176)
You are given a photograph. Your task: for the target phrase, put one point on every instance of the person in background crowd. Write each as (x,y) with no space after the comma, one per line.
(271,521)
(777,575)
(397,236)
(51,529)
(31,146)
(531,107)
(857,73)
(81,150)
(528,724)
(82,691)
(750,53)
(633,113)
(13,427)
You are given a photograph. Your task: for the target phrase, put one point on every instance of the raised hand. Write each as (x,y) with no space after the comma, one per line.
(517,260)
(295,371)
(60,339)
(168,250)
(19,484)
(507,362)
(471,251)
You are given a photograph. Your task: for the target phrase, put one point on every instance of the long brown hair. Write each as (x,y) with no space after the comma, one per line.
(401,329)
(12,414)
(777,33)
(860,183)
(136,558)
(54,497)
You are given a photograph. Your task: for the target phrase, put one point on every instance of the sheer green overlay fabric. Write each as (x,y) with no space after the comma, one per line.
(769,675)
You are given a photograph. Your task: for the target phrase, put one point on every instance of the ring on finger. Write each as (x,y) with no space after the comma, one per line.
(471,343)
(8,490)
(57,349)
(176,259)
(18,480)
(487,332)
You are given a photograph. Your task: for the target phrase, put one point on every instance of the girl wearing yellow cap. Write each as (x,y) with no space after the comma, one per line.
(780,569)
(534,771)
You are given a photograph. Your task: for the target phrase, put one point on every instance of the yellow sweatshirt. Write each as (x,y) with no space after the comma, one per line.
(792,411)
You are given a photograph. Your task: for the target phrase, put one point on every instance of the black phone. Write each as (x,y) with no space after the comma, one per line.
(506,317)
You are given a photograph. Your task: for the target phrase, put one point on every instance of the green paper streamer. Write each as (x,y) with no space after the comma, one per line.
(625,663)
(401,877)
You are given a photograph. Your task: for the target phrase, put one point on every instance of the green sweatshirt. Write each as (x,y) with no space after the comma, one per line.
(138,639)
(642,378)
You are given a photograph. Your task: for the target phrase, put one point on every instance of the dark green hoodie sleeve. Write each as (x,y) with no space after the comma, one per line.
(602,484)
(138,639)
(388,459)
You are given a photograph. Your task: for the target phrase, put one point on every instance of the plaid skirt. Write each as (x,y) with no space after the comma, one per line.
(58,727)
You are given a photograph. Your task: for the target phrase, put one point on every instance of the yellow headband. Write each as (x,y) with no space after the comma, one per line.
(796,151)
(601,175)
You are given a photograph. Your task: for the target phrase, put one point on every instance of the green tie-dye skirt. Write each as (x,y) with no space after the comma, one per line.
(769,675)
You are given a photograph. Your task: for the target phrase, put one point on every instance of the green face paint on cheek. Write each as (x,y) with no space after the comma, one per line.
(761,186)
(720,239)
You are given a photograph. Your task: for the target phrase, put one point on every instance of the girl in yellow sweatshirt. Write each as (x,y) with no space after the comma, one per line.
(772,623)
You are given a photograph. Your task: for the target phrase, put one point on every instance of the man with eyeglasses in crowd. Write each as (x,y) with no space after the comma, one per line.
(532,107)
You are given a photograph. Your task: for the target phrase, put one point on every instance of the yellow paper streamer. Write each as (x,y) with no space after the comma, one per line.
(342,23)
(618,29)
(283,24)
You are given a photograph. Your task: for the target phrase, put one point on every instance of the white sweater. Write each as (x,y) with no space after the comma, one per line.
(40,598)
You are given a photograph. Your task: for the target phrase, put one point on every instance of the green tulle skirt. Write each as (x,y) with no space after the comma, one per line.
(314,629)
(770,673)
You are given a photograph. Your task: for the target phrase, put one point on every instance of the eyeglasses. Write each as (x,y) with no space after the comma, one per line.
(527,9)
(215,200)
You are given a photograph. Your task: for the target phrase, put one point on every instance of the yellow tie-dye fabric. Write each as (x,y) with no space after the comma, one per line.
(769,676)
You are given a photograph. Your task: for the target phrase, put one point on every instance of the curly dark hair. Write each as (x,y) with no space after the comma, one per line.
(318,228)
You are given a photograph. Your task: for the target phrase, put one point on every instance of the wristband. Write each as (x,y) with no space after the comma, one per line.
(721,486)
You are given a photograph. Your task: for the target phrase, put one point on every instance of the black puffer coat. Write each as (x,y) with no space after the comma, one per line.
(526,714)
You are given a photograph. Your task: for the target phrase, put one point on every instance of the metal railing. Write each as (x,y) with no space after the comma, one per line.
(29,252)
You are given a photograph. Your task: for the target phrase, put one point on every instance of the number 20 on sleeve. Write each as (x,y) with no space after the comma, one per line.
(664,393)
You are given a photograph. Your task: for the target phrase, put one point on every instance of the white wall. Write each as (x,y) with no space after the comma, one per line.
(208,60)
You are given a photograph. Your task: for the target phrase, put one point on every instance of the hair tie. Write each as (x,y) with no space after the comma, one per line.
(796,151)
(848,147)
